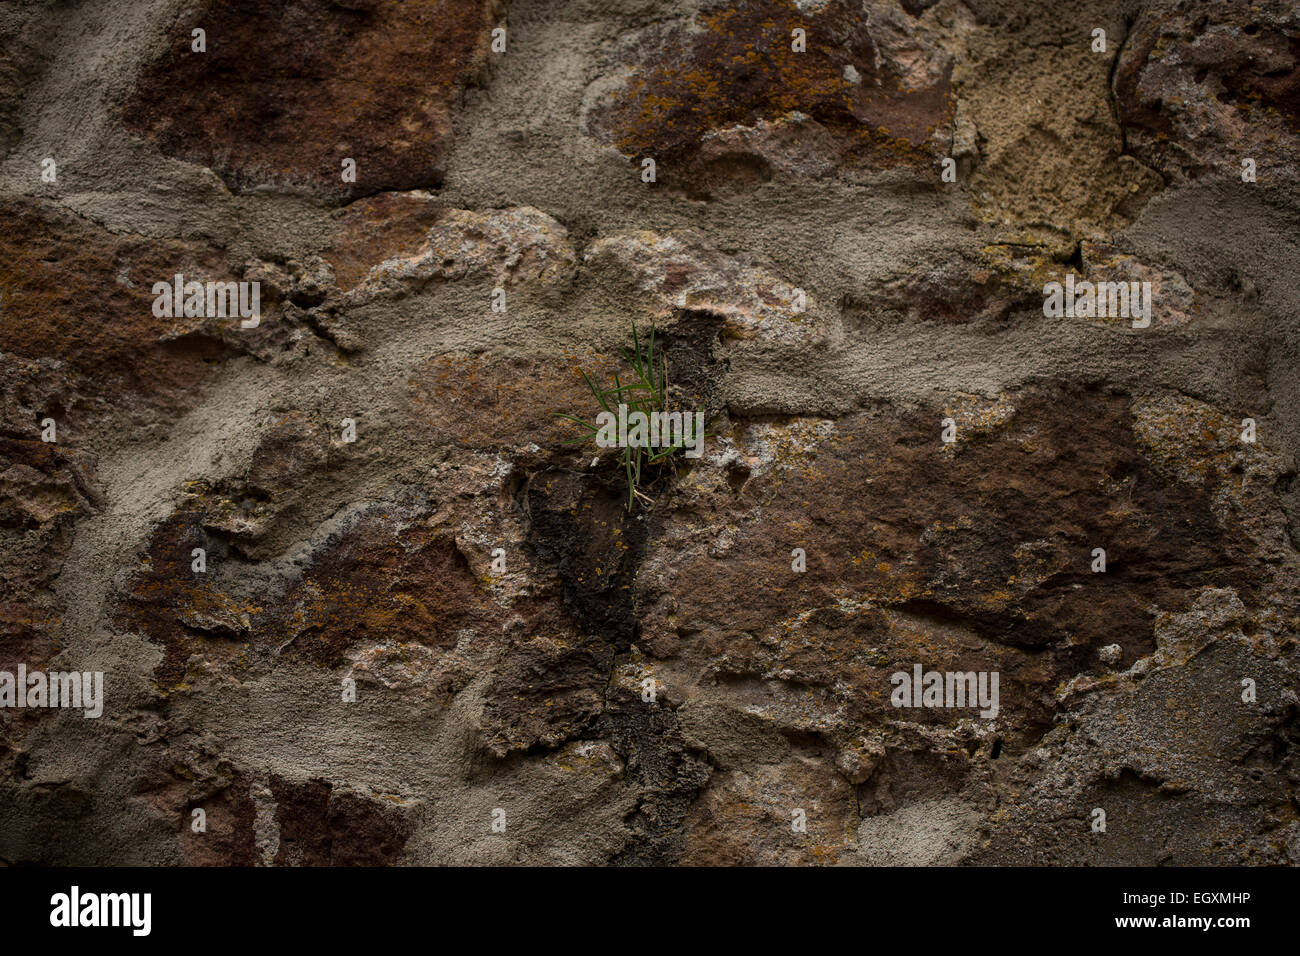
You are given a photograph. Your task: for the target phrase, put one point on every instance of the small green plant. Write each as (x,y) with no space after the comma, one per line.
(646,393)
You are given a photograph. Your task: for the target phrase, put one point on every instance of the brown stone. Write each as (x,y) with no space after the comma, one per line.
(376,228)
(322,825)
(1200,87)
(71,290)
(289,89)
(732,74)
(944,555)
(44,488)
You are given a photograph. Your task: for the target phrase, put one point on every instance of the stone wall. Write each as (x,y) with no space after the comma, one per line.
(450,640)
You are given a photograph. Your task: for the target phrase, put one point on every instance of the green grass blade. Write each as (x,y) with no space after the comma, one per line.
(596,392)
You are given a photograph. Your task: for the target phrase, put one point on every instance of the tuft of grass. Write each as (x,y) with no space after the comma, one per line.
(646,391)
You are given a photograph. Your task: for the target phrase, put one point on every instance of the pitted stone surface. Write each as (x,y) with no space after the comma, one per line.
(421,601)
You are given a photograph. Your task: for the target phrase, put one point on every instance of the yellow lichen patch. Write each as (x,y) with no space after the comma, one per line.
(976,416)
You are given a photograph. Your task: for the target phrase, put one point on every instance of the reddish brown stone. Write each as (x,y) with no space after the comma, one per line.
(381,581)
(947,556)
(480,402)
(288,89)
(377,228)
(178,781)
(748,819)
(165,592)
(358,588)
(71,291)
(388,577)
(44,488)
(320,825)
(387,581)
(735,67)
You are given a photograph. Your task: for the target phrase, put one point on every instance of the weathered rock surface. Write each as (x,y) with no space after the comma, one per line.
(777,87)
(1201,87)
(362,595)
(284,92)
